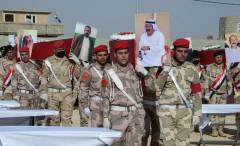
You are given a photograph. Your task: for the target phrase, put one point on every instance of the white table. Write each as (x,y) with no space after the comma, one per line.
(9,104)
(56,136)
(208,109)
(10,113)
(22,116)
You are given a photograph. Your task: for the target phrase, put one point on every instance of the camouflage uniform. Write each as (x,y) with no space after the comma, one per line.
(175,118)
(219,96)
(5,66)
(122,113)
(2,74)
(60,98)
(234,75)
(21,89)
(149,103)
(90,95)
(202,75)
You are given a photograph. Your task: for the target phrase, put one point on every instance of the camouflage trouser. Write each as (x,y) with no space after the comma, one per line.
(175,125)
(96,108)
(5,96)
(130,124)
(62,102)
(84,119)
(218,119)
(237,101)
(1,95)
(29,101)
(151,126)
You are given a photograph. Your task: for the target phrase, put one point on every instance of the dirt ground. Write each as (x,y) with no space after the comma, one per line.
(230,130)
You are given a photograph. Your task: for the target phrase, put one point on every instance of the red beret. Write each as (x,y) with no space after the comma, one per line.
(24,49)
(123,44)
(100,48)
(184,43)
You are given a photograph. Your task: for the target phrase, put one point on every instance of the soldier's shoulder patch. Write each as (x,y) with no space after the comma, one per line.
(85,76)
(104,83)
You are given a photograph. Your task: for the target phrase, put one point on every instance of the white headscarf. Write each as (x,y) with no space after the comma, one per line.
(153,23)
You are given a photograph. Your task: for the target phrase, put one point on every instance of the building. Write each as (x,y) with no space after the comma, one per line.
(228,25)
(11,21)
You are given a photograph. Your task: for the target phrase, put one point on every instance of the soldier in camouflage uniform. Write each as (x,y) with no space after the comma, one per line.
(58,71)
(200,70)
(90,100)
(25,84)
(175,113)
(1,80)
(6,63)
(149,103)
(234,69)
(234,75)
(217,84)
(123,111)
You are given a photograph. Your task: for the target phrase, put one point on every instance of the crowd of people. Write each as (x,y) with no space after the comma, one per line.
(158,98)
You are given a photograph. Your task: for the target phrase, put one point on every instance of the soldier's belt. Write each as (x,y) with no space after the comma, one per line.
(53,90)
(26,91)
(123,108)
(218,93)
(1,93)
(173,106)
(96,98)
(150,103)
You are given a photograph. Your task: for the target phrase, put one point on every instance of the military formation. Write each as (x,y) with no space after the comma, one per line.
(163,102)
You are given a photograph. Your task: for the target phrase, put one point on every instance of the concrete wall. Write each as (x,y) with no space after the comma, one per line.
(228,25)
(21,18)
(43,29)
(1,16)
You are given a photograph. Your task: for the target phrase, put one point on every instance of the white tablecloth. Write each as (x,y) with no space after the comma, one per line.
(9,113)
(56,136)
(216,109)
(220,108)
(9,104)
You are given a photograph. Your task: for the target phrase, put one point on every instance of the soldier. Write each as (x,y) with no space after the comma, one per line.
(180,86)
(122,108)
(25,84)
(200,70)
(217,84)
(60,96)
(1,73)
(90,100)
(234,74)
(6,66)
(151,49)
(151,119)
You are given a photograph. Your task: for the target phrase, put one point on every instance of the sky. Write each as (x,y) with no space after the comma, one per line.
(187,17)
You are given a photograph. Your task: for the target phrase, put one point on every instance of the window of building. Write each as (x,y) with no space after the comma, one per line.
(238,27)
(30,18)
(9,17)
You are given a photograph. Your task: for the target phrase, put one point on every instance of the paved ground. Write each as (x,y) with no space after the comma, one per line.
(195,136)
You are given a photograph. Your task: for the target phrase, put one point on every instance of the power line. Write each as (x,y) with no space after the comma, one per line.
(216,2)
